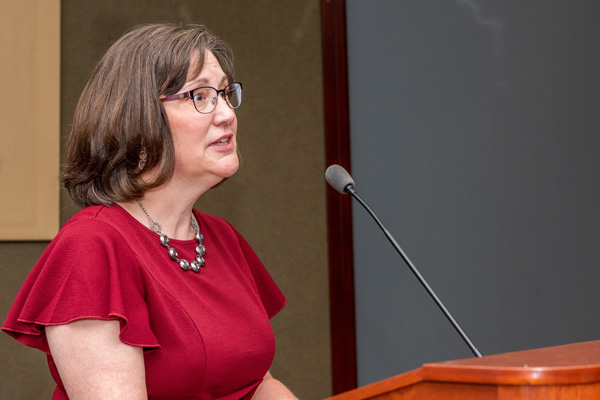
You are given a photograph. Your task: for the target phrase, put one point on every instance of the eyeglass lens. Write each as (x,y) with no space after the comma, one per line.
(205,99)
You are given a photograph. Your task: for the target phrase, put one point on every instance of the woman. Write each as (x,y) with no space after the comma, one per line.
(140,296)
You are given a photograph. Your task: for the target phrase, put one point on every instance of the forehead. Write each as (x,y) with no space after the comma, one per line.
(209,70)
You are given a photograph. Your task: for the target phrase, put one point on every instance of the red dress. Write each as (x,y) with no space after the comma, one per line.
(205,335)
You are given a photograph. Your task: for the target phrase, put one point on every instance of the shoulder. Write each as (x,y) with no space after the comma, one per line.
(96,232)
(214,223)
(98,221)
(223,231)
(210,219)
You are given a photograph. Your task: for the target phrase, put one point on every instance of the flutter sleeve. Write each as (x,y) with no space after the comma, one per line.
(87,272)
(272,298)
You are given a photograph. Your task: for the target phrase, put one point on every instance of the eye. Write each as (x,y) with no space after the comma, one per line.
(199,96)
(203,95)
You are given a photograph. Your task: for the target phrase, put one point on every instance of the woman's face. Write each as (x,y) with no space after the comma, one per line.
(205,144)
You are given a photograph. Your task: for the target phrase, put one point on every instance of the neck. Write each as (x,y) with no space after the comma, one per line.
(171,206)
(173,214)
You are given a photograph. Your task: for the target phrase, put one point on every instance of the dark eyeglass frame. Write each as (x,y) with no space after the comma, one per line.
(214,102)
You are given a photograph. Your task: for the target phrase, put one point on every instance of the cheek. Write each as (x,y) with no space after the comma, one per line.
(188,135)
(185,124)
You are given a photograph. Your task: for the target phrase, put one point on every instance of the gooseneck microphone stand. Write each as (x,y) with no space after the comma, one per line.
(350,189)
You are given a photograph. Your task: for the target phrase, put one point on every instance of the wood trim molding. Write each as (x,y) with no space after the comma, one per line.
(339,208)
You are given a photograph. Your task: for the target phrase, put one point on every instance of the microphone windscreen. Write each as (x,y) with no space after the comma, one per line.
(338,178)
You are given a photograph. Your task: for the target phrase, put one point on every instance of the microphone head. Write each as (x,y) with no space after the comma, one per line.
(338,178)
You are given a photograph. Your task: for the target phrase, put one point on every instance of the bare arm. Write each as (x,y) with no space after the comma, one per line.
(272,389)
(94,364)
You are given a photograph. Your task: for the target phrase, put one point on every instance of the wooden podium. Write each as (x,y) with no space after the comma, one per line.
(568,372)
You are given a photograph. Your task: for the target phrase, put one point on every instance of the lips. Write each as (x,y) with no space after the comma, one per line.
(224,141)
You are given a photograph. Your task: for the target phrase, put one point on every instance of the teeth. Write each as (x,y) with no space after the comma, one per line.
(222,141)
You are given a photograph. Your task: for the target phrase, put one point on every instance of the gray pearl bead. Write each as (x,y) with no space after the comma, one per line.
(164,240)
(184,264)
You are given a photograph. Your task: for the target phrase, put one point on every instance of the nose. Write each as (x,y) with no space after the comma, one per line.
(222,111)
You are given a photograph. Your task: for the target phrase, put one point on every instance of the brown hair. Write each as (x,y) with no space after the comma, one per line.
(119,113)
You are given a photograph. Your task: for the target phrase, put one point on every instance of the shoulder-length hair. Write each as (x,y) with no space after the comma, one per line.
(119,113)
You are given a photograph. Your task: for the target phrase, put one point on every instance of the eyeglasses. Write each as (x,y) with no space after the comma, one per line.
(205,98)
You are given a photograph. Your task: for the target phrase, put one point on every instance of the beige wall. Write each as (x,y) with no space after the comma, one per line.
(29,119)
(276,200)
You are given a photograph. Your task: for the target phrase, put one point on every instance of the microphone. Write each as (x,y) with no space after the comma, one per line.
(339,179)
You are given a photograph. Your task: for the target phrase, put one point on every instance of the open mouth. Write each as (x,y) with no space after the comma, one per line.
(222,142)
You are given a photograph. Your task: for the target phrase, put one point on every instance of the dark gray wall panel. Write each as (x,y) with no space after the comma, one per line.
(475,134)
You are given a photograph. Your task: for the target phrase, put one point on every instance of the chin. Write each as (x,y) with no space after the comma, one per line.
(229,174)
(224,177)
(231,167)
(228,170)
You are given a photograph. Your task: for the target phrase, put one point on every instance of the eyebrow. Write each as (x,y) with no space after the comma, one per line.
(203,82)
